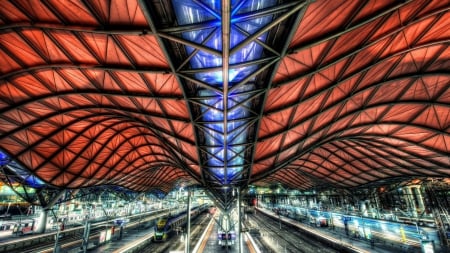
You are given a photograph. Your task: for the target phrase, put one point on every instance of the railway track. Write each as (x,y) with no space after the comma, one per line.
(175,243)
(70,238)
(288,239)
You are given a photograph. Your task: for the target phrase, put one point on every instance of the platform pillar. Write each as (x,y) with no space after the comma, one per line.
(418,196)
(188,232)
(46,206)
(410,202)
(239,229)
(87,228)
(42,224)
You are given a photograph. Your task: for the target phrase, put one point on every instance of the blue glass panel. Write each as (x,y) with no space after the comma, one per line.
(215,42)
(200,36)
(28,178)
(219,172)
(19,171)
(214,78)
(213,114)
(231,172)
(254,5)
(189,12)
(212,7)
(218,127)
(248,52)
(4,159)
(34,181)
(204,59)
(236,37)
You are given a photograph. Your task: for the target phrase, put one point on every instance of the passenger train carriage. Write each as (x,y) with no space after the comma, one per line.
(226,235)
(365,227)
(226,238)
(166,226)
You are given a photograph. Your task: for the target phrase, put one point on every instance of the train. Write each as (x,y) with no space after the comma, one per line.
(226,235)
(24,227)
(226,238)
(359,226)
(6,225)
(168,225)
(249,209)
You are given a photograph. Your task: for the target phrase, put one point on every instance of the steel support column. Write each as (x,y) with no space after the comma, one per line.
(188,232)
(239,228)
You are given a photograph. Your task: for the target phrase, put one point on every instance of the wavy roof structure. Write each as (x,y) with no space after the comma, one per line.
(148,94)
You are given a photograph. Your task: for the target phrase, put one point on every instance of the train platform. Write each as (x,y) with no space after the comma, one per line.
(207,242)
(356,245)
(126,243)
(129,240)
(339,237)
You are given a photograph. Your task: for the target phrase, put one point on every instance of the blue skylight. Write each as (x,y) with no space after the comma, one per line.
(225,143)
(4,159)
(29,179)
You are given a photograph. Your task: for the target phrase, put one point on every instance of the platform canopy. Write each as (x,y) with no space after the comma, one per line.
(153,94)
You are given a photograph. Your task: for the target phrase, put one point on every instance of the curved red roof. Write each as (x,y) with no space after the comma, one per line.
(99,92)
